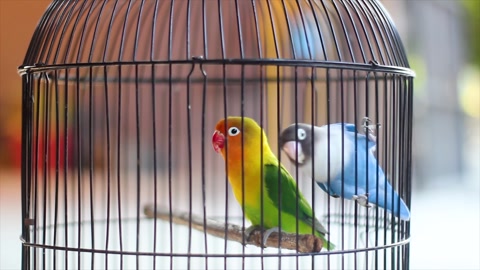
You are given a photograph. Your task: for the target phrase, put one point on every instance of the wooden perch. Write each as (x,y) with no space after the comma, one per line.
(306,242)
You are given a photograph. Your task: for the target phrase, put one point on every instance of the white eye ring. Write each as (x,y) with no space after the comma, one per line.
(301,134)
(233,131)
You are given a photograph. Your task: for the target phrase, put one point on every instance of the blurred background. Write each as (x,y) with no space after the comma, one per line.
(442,39)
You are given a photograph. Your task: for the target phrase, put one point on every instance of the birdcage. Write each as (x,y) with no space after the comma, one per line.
(120,100)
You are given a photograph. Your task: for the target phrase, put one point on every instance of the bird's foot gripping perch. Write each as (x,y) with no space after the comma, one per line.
(251,230)
(362,200)
(267,233)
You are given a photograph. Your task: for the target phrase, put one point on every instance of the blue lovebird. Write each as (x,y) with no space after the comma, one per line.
(296,141)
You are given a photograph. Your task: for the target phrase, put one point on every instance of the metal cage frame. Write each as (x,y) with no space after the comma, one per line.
(98,69)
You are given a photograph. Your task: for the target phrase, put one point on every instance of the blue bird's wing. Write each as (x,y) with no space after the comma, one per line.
(325,187)
(345,184)
(362,175)
(382,194)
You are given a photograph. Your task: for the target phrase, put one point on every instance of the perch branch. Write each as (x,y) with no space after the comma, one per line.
(306,242)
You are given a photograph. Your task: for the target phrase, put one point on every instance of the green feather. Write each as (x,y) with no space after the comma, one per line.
(286,187)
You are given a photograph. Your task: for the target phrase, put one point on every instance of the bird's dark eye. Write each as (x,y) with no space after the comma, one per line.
(302,134)
(233,131)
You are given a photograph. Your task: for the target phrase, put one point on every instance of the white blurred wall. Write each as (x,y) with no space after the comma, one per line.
(445,221)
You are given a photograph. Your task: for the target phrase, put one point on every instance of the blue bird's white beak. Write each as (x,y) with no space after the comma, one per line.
(293,149)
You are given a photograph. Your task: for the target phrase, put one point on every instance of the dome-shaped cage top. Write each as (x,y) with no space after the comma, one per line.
(337,33)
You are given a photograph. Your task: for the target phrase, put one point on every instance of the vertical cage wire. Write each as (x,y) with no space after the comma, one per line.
(120,99)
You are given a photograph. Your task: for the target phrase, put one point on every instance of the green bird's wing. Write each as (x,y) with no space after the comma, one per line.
(289,195)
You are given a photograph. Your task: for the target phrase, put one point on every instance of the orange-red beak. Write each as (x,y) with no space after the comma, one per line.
(218,141)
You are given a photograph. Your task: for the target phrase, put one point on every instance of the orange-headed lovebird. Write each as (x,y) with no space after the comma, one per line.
(261,167)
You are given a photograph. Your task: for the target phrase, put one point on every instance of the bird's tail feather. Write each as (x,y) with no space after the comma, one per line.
(326,244)
(399,210)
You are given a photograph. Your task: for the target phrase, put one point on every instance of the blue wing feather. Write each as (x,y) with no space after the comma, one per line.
(364,176)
